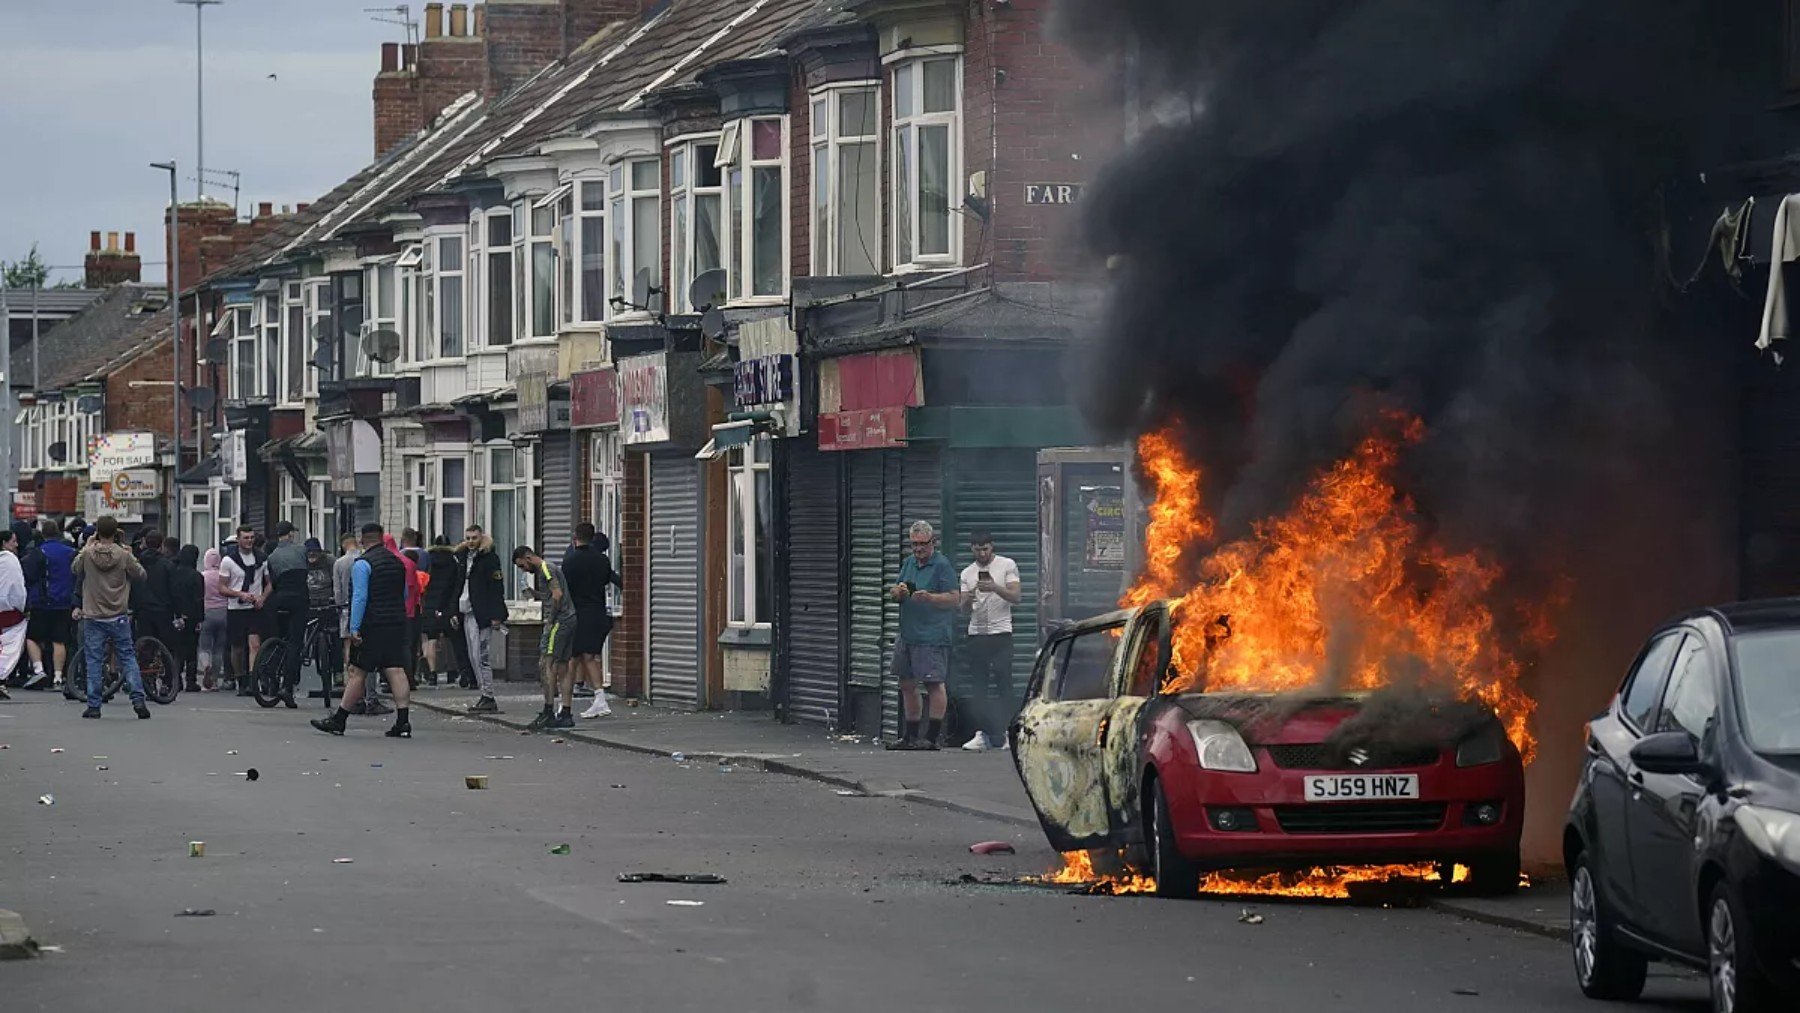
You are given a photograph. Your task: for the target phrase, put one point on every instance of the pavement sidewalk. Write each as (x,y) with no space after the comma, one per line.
(1541,908)
(983,784)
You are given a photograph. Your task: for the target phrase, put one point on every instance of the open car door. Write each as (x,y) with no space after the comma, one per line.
(1058,736)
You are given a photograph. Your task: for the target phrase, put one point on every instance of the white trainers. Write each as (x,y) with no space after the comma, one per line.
(978,744)
(598,709)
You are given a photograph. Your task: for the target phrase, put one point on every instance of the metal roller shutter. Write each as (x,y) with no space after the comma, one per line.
(560,470)
(869,554)
(674,599)
(996,491)
(814,623)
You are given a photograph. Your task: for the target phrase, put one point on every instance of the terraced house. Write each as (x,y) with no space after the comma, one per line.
(748,283)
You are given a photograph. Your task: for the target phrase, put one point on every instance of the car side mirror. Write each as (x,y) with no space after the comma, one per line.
(1669,753)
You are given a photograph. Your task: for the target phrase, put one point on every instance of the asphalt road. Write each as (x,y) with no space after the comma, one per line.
(453,900)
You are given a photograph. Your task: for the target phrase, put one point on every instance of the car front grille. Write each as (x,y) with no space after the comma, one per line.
(1361,818)
(1319,756)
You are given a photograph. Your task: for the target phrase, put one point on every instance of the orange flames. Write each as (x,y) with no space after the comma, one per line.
(1326,883)
(1344,592)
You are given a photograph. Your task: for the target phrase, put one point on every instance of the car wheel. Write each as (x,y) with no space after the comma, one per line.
(1175,875)
(1738,985)
(1494,875)
(1604,968)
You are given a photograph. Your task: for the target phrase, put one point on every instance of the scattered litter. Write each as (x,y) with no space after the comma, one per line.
(195,912)
(102,757)
(342,861)
(846,738)
(196,849)
(685,903)
(559,849)
(678,757)
(251,774)
(4,746)
(724,768)
(56,749)
(318,930)
(1464,991)
(50,949)
(499,757)
(103,767)
(618,786)
(991,848)
(374,764)
(475,782)
(557,742)
(231,752)
(1249,917)
(850,793)
(698,878)
(46,799)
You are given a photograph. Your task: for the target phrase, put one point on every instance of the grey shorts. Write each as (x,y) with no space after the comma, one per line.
(923,662)
(558,640)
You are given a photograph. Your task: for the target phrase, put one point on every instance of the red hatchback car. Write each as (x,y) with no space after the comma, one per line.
(1186,784)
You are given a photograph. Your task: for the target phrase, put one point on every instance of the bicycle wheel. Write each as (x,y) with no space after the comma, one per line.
(111,679)
(75,677)
(265,681)
(156,663)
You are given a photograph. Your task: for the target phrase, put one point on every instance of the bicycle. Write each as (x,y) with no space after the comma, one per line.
(156,665)
(318,645)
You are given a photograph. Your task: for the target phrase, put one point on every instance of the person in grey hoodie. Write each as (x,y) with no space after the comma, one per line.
(107,570)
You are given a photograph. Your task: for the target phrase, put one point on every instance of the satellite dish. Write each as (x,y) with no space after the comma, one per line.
(202,399)
(382,345)
(323,357)
(217,350)
(58,451)
(708,290)
(712,323)
(350,321)
(88,404)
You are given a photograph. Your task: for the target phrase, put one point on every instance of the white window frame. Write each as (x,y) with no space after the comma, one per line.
(295,507)
(740,210)
(409,300)
(318,313)
(489,261)
(225,514)
(290,332)
(907,84)
(625,195)
(686,156)
(562,204)
(524,492)
(586,220)
(197,519)
(745,464)
(441,264)
(322,506)
(424,493)
(380,277)
(827,209)
(538,236)
(246,341)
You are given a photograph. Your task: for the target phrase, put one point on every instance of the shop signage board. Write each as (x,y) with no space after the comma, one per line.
(863,399)
(644,398)
(114,452)
(594,398)
(135,485)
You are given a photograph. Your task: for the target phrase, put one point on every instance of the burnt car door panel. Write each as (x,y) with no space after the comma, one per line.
(1058,736)
(1662,815)
(1140,672)
(1610,771)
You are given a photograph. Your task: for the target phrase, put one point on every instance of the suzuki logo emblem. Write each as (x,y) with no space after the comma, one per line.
(1359,756)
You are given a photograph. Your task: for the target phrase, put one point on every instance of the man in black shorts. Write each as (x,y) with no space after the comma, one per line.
(377,632)
(589,572)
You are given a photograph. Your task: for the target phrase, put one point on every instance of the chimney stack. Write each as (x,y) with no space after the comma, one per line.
(480,20)
(108,265)
(265,209)
(434,20)
(459,20)
(390,57)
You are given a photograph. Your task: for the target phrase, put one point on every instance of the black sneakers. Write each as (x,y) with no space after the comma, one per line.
(91,712)
(485,705)
(333,725)
(545,719)
(564,720)
(142,711)
(401,730)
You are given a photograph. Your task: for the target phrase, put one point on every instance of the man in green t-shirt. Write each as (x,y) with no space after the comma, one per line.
(929,597)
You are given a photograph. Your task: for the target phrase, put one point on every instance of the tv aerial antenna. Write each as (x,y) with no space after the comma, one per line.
(398,15)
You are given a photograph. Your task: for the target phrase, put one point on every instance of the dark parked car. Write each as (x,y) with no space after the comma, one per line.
(1189,782)
(1683,843)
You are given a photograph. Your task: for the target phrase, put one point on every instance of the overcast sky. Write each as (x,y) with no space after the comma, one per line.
(92,91)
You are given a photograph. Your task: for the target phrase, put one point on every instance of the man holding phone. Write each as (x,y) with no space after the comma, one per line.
(990,589)
(928,601)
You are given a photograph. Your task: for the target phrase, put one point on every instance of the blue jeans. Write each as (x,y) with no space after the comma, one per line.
(96,634)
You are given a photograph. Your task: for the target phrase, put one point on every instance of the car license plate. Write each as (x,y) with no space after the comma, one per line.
(1361,787)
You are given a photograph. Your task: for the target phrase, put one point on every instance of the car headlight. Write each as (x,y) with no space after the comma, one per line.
(1485,746)
(1774,833)
(1221,747)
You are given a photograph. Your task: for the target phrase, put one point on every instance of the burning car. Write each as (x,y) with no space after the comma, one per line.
(1120,752)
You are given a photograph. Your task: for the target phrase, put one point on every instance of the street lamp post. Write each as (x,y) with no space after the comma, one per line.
(175,341)
(200,7)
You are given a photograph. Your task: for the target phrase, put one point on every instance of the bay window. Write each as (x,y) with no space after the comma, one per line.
(749,594)
(293,342)
(696,193)
(322,523)
(492,261)
(927,153)
(437,495)
(753,154)
(634,191)
(507,507)
(565,253)
(271,344)
(846,182)
(317,326)
(539,299)
(410,306)
(590,237)
(442,280)
(381,285)
(246,366)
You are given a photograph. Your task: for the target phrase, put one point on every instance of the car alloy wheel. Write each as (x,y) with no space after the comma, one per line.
(1584,925)
(1722,945)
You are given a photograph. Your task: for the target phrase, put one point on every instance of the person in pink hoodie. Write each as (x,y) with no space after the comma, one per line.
(213,628)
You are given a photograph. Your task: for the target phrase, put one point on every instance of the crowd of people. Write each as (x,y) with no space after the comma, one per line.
(384,608)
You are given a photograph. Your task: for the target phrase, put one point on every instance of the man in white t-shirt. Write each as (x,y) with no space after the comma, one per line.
(990,589)
(244,581)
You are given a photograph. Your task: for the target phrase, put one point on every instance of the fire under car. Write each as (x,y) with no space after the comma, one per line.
(1181,784)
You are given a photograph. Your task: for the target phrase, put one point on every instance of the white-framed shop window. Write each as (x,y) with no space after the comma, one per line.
(606,483)
(508,507)
(382,311)
(293,344)
(491,266)
(927,161)
(753,154)
(696,216)
(198,523)
(634,192)
(225,511)
(318,325)
(846,180)
(750,567)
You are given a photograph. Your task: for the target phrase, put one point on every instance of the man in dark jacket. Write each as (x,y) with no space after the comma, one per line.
(589,572)
(187,594)
(51,588)
(377,632)
(150,599)
(439,609)
(481,609)
(289,602)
